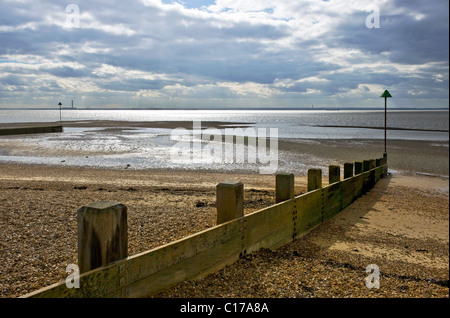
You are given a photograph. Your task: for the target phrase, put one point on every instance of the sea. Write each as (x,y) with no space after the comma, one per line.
(142,148)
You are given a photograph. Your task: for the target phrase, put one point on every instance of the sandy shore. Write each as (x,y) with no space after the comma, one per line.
(402,226)
(39,203)
(405,156)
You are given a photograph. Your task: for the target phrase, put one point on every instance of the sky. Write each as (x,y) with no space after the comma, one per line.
(224,53)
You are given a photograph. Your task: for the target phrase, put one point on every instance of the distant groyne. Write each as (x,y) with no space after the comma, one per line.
(21,129)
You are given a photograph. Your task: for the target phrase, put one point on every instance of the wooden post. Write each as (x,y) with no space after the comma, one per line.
(378,162)
(229,201)
(348,170)
(358,167)
(384,163)
(334,174)
(284,187)
(102,234)
(373,164)
(314,179)
(366,165)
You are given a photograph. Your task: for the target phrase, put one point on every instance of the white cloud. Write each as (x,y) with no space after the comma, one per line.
(231,50)
(362,91)
(250,89)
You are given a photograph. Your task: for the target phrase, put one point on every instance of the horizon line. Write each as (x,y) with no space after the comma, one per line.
(223,108)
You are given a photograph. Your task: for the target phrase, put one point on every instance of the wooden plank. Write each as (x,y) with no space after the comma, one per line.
(226,235)
(377,174)
(331,200)
(198,265)
(368,180)
(383,171)
(372,180)
(309,211)
(93,284)
(358,185)
(348,192)
(109,280)
(270,227)
(176,274)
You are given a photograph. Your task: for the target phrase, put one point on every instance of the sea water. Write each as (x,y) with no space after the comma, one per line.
(292,124)
(141,148)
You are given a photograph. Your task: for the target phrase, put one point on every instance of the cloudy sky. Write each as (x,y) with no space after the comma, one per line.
(224,53)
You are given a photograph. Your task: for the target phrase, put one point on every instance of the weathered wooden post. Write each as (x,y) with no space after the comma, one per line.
(384,159)
(334,174)
(102,234)
(348,170)
(229,201)
(358,167)
(314,179)
(284,187)
(378,162)
(373,164)
(366,165)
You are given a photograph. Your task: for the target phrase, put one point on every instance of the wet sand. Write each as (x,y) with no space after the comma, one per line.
(405,156)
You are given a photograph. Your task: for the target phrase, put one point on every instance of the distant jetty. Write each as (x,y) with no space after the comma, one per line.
(20,128)
(388,128)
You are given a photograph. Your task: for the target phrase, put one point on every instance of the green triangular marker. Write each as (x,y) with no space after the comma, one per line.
(386,94)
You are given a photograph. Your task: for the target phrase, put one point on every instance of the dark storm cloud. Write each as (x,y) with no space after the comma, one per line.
(134,85)
(418,35)
(14,80)
(66,71)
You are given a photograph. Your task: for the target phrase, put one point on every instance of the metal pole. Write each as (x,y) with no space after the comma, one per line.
(60,120)
(385,119)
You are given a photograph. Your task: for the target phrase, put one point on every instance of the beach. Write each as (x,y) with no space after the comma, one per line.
(401,225)
(264,149)
(146,145)
(39,205)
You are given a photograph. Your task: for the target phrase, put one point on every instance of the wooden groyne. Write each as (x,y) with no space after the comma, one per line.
(19,129)
(114,274)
